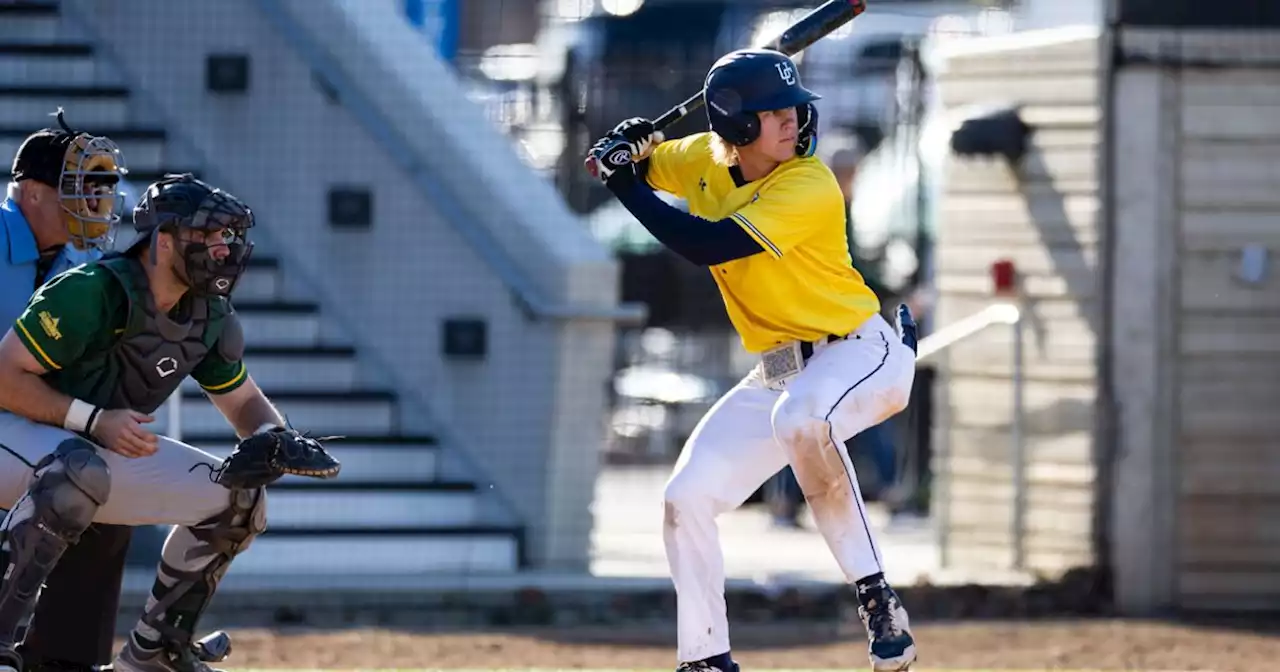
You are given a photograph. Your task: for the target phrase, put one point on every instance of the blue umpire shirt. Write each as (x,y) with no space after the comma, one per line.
(18,262)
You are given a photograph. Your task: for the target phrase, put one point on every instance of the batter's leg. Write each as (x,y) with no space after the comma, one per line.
(75,621)
(844,389)
(729,455)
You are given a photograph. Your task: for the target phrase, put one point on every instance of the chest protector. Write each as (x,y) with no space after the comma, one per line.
(146,363)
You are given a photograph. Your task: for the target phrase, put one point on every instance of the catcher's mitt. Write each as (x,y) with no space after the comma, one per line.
(263,458)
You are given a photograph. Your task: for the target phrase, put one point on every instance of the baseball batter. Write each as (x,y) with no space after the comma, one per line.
(97,350)
(767,219)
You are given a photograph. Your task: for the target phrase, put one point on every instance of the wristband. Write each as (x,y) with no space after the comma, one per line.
(93,419)
(267,427)
(79,416)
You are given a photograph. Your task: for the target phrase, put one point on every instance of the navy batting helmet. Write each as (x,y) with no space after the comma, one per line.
(745,82)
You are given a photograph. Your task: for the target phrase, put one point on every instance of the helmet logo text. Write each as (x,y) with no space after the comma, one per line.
(786,72)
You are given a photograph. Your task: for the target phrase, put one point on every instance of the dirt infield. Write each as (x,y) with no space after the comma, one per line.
(1047,645)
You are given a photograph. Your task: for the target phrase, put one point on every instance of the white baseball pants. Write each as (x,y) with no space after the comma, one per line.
(172,487)
(748,436)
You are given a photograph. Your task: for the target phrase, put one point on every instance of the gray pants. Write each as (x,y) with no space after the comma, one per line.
(161,489)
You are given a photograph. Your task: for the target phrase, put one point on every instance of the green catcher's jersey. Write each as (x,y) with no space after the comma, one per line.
(96,329)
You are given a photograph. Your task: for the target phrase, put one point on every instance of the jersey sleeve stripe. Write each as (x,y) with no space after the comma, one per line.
(230,383)
(755,233)
(34,348)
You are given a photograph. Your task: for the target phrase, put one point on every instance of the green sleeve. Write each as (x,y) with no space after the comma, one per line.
(67,315)
(216,375)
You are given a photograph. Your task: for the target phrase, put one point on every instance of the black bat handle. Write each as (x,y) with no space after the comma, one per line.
(678,112)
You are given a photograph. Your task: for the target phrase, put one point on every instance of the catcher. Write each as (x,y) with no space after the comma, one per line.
(97,350)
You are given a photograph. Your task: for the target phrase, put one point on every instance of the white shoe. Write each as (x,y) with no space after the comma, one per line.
(892,648)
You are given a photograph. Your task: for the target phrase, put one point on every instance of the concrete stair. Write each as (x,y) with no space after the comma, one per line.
(392,510)
(31,23)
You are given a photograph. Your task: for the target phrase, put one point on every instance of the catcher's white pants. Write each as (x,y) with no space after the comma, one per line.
(753,432)
(169,487)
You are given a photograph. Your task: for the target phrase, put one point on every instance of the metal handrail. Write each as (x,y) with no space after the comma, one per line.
(1009,314)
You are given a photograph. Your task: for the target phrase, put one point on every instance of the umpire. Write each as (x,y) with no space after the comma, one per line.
(59,212)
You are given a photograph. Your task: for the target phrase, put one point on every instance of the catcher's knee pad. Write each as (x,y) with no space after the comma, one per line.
(248,515)
(231,532)
(69,487)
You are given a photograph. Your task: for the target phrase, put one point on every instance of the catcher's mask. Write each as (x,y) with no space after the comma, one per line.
(86,170)
(193,211)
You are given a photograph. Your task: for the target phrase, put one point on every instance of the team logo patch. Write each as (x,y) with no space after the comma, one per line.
(50,325)
(167,366)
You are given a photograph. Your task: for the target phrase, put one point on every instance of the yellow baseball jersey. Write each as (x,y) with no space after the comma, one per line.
(804,286)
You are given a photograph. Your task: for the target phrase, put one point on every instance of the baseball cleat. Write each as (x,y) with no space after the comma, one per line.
(720,663)
(892,648)
(136,658)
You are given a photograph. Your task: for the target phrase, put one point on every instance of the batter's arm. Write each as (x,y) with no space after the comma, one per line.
(702,242)
(673,166)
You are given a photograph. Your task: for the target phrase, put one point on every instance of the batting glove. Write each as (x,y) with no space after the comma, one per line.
(807,140)
(612,158)
(642,136)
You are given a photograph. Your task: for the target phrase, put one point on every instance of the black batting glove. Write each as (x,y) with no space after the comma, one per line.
(642,136)
(612,160)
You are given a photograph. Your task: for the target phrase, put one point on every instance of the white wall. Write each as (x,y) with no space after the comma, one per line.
(1042,213)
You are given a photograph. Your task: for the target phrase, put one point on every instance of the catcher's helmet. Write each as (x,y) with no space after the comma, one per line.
(181,203)
(748,81)
(86,170)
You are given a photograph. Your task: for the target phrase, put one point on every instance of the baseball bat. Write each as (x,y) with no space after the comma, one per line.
(810,28)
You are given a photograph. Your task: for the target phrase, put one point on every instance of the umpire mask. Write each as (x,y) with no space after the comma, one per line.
(86,170)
